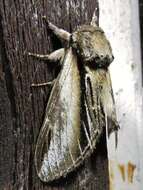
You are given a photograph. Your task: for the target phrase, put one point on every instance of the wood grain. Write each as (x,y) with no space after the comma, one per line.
(21,106)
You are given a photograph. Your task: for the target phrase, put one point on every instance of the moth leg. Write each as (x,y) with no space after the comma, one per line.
(51,83)
(55,56)
(60,33)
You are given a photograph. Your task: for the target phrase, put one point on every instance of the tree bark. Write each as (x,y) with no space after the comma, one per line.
(21,106)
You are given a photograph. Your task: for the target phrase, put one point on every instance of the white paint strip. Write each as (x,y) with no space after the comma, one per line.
(120,21)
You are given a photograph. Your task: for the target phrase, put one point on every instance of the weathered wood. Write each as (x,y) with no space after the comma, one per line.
(21,106)
(122,28)
(141,28)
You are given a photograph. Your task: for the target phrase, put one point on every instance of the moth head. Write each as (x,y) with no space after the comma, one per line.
(92,46)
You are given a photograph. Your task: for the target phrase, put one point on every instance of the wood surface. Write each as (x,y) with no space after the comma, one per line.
(22,107)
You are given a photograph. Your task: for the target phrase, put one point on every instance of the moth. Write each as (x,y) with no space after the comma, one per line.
(81,104)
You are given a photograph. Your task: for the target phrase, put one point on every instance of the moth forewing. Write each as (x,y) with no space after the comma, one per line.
(108,102)
(94,81)
(61,127)
(80,106)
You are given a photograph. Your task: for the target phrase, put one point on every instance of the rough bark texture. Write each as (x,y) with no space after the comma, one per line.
(22,107)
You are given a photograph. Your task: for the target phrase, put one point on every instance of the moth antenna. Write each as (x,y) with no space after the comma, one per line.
(94,21)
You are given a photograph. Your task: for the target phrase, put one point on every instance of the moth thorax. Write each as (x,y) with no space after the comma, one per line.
(92,46)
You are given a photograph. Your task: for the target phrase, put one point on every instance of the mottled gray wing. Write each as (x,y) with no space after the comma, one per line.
(56,149)
(99,105)
(93,121)
(109,107)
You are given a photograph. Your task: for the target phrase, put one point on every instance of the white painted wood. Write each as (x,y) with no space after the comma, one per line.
(120,21)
